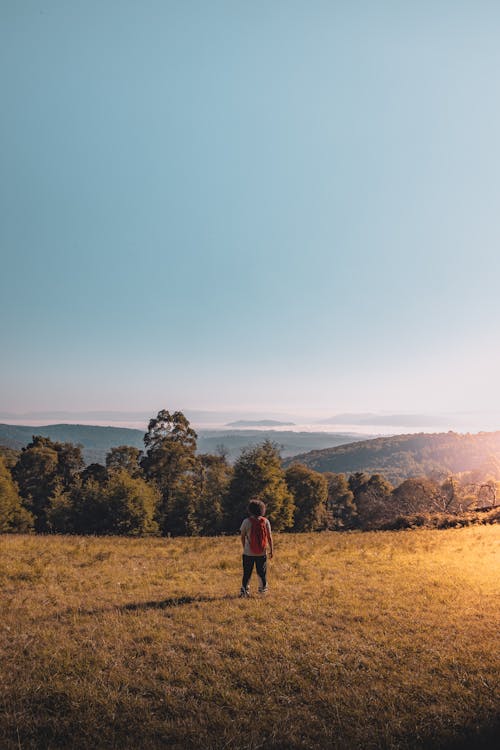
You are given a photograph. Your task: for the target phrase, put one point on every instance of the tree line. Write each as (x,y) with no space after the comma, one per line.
(170,489)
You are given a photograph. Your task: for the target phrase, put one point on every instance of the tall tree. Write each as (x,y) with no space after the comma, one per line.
(310,493)
(258,472)
(172,427)
(170,462)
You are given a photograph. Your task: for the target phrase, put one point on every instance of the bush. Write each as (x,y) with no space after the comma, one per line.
(442,520)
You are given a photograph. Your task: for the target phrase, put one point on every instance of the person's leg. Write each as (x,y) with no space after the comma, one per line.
(248,561)
(261,565)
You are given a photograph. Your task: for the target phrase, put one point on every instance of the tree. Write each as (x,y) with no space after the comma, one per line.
(9,456)
(174,428)
(97,472)
(487,494)
(170,462)
(214,476)
(42,466)
(124,457)
(415,496)
(258,472)
(132,504)
(341,503)
(449,498)
(357,481)
(310,493)
(91,510)
(373,502)
(60,512)
(13,516)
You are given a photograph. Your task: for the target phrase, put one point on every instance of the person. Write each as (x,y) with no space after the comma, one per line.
(256,538)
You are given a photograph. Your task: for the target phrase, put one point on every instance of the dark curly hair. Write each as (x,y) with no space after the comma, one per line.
(256,507)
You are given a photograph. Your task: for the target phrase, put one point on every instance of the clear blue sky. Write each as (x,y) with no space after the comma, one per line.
(282,205)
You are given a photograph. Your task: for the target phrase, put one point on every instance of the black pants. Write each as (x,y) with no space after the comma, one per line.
(261,566)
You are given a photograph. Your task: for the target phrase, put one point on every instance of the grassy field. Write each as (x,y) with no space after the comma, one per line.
(375,640)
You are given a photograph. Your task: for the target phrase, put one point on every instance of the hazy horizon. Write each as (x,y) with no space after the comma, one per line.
(361,423)
(253,208)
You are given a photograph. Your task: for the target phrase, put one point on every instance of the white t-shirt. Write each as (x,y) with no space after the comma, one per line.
(246,528)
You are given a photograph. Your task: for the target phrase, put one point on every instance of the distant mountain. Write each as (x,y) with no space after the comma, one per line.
(389,420)
(290,443)
(402,456)
(97,441)
(259,423)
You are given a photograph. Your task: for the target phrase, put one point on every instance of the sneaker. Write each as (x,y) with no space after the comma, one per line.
(264,591)
(244,593)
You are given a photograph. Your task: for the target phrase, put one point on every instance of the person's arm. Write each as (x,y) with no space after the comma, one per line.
(243,534)
(270,542)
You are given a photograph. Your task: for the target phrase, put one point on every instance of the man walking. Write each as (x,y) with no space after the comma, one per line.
(256,538)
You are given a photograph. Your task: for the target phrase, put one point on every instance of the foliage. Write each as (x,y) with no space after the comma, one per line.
(61,512)
(173,428)
(120,505)
(213,478)
(97,472)
(91,512)
(173,488)
(416,495)
(258,472)
(42,467)
(373,500)
(442,520)
(125,457)
(132,504)
(9,455)
(13,516)
(170,462)
(310,494)
(341,505)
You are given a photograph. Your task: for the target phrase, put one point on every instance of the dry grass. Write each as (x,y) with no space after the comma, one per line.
(377,640)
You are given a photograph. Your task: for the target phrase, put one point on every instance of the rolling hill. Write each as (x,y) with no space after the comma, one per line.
(97,441)
(402,456)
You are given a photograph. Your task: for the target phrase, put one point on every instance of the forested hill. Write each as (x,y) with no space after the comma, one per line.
(97,441)
(402,456)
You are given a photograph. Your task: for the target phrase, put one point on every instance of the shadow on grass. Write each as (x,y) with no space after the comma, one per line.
(171,602)
(484,736)
(174,601)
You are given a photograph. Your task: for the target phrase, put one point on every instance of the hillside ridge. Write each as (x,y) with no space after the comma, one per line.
(400,457)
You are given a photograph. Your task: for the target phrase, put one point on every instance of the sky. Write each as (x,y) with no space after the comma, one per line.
(261,206)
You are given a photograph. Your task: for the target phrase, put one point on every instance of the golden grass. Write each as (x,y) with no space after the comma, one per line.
(375,640)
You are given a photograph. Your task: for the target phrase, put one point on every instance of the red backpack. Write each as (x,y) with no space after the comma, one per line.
(258,535)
